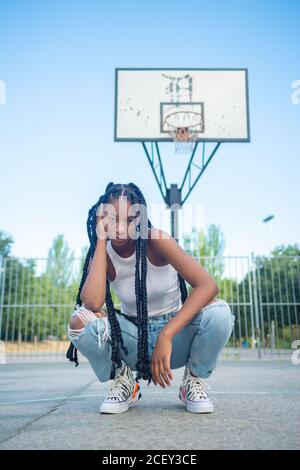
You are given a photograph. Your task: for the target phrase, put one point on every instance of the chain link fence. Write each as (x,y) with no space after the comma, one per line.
(38,295)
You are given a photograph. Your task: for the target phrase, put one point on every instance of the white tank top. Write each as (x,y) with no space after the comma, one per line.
(163,288)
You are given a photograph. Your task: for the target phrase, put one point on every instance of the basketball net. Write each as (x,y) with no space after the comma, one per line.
(184,127)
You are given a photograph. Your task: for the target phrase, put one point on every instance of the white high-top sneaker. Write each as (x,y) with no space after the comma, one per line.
(124,392)
(193,393)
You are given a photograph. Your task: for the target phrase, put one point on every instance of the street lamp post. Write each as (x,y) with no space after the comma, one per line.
(266,220)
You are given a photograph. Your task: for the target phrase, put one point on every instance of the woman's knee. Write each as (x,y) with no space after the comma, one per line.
(220,318)
(82,317)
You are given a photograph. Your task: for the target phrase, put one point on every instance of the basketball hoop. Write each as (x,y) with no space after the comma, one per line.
(184,127)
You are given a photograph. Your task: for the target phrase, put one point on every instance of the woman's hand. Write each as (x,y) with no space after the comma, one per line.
(160,364)
(101,223)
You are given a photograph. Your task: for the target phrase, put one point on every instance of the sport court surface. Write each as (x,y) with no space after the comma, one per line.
(55,406)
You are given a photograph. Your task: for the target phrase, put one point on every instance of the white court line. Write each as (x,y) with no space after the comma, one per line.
(78,397)
(40,400)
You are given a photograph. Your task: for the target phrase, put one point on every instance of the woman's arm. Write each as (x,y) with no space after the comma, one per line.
(204,287)
(94,289)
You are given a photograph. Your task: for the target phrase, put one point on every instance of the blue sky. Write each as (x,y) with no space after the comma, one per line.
(57,59)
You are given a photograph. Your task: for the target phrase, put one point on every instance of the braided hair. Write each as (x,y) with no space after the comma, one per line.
(143,367)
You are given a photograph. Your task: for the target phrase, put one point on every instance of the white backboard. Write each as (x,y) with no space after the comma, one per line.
(144,96)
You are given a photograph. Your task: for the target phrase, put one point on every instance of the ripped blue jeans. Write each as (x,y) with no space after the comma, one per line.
(197,345)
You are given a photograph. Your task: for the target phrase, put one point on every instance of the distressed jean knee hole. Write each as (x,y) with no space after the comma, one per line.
(81,318)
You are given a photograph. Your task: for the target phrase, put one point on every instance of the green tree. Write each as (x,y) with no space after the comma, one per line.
(208,247)
(279,293)
(39,297)
(6,242)
(60,262)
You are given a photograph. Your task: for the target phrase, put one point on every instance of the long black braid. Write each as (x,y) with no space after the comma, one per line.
(143,366)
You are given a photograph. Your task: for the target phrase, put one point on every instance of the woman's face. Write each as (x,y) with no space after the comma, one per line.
(122,217)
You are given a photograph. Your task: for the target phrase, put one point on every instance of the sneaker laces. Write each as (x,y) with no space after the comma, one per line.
(196,387)
(122,386)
